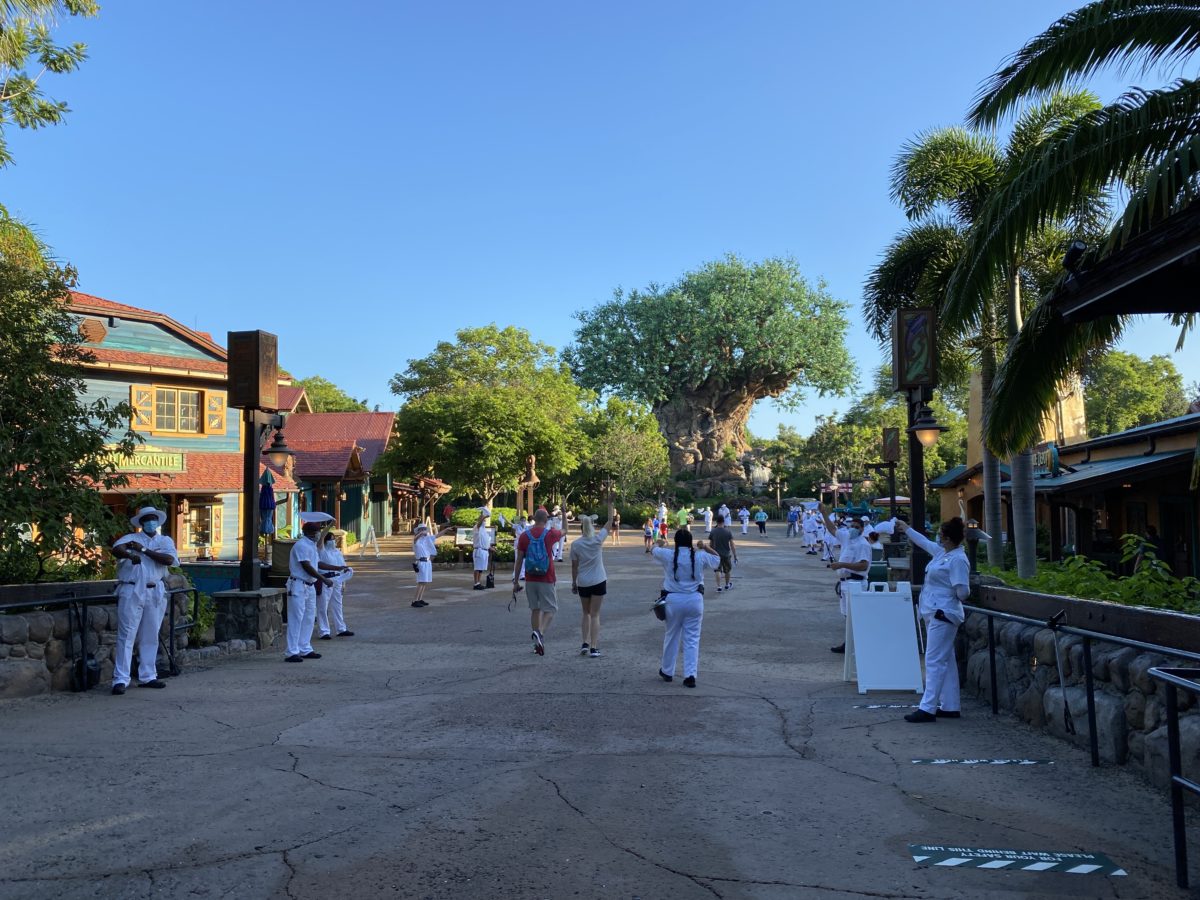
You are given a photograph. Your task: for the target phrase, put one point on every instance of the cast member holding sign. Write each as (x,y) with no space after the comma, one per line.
(947,585)
(854,559)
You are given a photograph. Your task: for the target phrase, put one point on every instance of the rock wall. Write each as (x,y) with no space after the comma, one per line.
(1130,705)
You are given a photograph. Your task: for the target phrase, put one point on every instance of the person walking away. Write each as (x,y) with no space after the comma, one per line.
(481,546)
(424,552)
(760,519)
(589,581)
(708,519)
(648,532)
(793,519)
(535,550)
(744,517)
(722,544)
(947,585)
(683,517)
(142,562)
(303,574)
(616,528)
(330,600)
(683,590)
(853,561)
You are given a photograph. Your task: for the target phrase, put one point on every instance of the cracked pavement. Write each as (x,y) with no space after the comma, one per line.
(433,755)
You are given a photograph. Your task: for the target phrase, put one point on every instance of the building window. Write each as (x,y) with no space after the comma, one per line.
(204,528)
(176,410)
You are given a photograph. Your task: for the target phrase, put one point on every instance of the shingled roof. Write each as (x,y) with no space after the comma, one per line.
(312,433)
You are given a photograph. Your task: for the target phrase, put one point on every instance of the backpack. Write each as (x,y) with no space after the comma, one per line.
(537,560)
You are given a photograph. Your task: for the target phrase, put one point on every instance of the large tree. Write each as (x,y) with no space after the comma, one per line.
(325,396)
(25,39)
(476,408)
(702,351)
(54,440)
(1122,390)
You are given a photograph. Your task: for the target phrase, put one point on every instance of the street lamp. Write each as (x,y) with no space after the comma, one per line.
(279,452)
(925,427)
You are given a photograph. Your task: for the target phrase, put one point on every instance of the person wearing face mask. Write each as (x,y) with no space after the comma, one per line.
(854,559)
(142,563)
(947,585)
(304,571)
(330,601)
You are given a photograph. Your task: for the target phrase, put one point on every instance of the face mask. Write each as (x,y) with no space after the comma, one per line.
(331,545)
(150,528)
(855,532)
(312,535)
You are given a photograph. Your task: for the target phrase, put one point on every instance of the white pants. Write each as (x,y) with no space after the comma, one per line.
(480,559)
(330,601)
(684,614)
(941,669)
(302,610)
(139,615)
(745,528)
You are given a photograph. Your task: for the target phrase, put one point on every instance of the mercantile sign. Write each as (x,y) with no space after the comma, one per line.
(149,460)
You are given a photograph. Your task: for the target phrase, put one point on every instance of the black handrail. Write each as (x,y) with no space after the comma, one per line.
(1088,636)
(1189,680)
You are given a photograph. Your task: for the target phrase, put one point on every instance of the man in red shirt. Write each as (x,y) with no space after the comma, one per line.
(539,588)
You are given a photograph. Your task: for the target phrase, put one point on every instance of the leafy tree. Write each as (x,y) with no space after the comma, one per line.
(1146,142)
(325,396)
(703,350)
(622,443)
(53,439)
(476,408)
(25,27)
(1122,390)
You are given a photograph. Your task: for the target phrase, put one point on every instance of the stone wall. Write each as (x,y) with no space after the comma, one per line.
(37,648)
(249,616)
(1130,705)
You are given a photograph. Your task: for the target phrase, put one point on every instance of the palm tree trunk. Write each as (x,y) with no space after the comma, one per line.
(991,466)
(1023,501)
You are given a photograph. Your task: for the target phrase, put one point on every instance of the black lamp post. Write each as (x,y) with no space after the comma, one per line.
(257,424)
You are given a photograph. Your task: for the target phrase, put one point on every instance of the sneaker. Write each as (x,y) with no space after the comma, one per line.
(312,654)
(539,646)
(664,676)
(583,649)
(729,585)
(295,657)
(417,604)
(155,683)
(326,637)
(345,634)
(479,587)
(118,689)
(719,589)
(595,653)
(919,715)
(690,681)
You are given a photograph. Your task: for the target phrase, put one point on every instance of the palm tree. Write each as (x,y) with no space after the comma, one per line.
(1147,141)
(944,180)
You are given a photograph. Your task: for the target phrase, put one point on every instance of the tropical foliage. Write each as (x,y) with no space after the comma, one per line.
(1122,391)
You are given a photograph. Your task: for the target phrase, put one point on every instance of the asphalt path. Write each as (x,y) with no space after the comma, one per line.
(434,755)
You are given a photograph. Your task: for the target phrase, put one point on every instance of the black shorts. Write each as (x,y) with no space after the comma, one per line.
(593,590)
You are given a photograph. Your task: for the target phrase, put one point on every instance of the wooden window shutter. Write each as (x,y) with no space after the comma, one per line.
(215,537)
(214,412)
(141,398)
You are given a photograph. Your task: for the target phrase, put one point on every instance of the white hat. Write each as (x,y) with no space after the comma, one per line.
(136,518)
(315,518)
(420,528)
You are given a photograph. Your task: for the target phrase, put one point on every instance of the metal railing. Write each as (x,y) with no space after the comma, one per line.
(71,601)
(1189,680)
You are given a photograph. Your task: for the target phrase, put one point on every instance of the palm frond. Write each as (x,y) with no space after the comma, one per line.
(1185,322)
(1137,34)
(951,166)
(912,272)
(1046,353)
(1046,120)
(1162,125)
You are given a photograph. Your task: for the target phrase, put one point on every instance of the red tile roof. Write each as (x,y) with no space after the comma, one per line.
(158,360)
(78,298)
(207,473)
(289,396)
(319,459)
(369,430)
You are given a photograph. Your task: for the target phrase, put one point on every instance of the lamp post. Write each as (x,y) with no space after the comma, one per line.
(257,424)
(776,485)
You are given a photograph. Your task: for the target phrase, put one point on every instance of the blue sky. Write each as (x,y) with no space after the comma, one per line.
(365,178)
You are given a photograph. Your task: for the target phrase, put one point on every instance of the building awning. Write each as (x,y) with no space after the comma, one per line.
(962,474)
(1122,468)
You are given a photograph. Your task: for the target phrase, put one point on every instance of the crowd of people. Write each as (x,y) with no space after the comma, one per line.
(317,575)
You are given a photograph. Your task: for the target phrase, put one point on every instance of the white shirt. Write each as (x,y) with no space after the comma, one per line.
(724,511)
(854,549)
(681,579)
(331,555)
(147,572)
(947,575)
(425,547)
(590,554)
(303,550)
(744,514)
(482,538)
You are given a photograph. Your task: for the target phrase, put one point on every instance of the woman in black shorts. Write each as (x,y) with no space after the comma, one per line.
(589,581)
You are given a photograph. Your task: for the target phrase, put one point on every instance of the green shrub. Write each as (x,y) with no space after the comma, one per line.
(446,553)
(468,516)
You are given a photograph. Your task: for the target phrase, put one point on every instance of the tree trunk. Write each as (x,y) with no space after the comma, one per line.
(992,522)
(1023,501)
(698,426)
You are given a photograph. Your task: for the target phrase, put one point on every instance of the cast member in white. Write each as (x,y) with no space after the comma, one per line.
(683,587)
(744,517)
(481,544)
(142,563)
(854,559)
(333,564)
(424,552)
(303,574)
(708,519)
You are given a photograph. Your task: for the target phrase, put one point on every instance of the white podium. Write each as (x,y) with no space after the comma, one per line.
(882,652)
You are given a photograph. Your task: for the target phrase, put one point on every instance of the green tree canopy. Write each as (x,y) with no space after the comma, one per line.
(474,423)
(25,41)
(53,437)
(622,443)
(704,349)
(1122,390)
(325,396)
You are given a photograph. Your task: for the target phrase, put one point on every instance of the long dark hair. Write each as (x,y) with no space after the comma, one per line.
(683,538)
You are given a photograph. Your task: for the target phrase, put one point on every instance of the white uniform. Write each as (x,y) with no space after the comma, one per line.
(481,541)
(947,582)
(685,605)
(556,522)
(330,598)
(424,551)
(708,517)
(854,549)
(662,512)
(302,597)
(141,604)
(723,511)
(744,516)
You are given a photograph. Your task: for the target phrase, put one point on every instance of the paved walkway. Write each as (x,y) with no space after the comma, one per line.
(433,755)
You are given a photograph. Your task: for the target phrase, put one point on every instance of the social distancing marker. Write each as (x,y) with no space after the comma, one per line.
(886,705)
(983,762)
(1012,860)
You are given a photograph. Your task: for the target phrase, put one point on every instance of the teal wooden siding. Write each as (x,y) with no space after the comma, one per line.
(231,527)
(116,390)
(146,337)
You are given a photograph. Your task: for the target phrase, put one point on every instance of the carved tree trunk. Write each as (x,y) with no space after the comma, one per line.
(698,426)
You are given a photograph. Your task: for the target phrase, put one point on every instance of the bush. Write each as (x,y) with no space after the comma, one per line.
(446,553)
(465,518)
